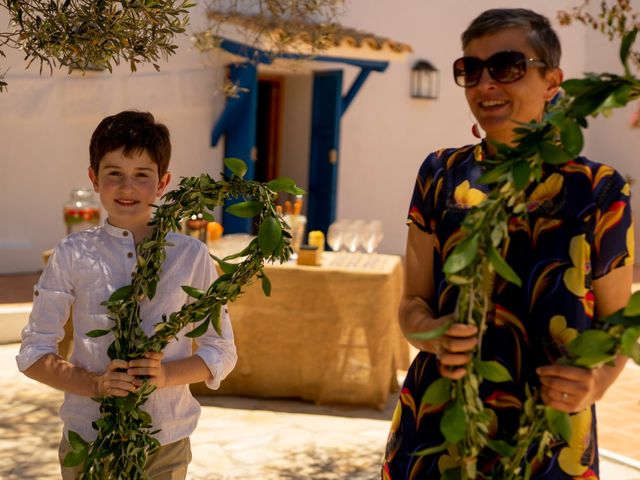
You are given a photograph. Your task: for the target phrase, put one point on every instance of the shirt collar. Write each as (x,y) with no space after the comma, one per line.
(116,231)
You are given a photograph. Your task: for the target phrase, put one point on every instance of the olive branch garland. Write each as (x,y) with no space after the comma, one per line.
(478,257)
(125,436)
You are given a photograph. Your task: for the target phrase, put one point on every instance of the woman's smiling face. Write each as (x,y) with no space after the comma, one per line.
(499,106)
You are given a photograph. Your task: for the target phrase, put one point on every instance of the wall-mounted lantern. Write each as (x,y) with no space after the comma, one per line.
(425,80)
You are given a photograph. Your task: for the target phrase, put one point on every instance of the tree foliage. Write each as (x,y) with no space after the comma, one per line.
(98,34)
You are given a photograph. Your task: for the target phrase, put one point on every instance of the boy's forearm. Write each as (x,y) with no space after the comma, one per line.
(188,370)
(60,374)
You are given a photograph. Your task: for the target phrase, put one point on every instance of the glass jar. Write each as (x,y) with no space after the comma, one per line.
(81,211)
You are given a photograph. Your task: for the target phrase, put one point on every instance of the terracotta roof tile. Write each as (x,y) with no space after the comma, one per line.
(340,35)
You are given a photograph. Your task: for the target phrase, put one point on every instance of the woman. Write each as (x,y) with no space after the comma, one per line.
(574,254)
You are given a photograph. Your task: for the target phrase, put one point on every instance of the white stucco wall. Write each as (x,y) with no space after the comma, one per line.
(46,122)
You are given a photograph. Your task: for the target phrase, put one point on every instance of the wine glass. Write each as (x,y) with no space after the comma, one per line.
(371,236)
(352,240)
(335,237)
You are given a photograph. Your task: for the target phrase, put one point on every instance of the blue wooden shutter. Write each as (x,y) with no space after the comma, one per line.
(240,133)
(325,143)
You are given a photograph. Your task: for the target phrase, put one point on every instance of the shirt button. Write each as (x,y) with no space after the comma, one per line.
(36,293)
(130,254)
(125,234)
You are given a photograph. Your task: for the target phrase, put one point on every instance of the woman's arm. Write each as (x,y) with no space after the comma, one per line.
(416,314)
(571,389)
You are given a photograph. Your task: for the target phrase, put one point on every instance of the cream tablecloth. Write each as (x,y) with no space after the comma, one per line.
(326,334)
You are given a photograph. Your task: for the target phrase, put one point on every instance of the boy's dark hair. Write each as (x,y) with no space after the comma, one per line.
(542,38)
(136,132)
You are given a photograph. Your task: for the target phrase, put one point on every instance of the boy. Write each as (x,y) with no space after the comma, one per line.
(129,156)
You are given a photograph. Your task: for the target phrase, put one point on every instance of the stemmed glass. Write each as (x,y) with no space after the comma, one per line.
(335,236)
(371,236)
(355,231)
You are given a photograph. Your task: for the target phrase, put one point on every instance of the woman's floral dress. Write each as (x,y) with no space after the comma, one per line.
(578,229)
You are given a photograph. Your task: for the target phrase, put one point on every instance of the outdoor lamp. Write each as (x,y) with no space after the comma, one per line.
(425,80)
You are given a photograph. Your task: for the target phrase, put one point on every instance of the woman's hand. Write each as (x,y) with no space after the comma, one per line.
(116,381)
(150,366)
(454,348)
(571,389)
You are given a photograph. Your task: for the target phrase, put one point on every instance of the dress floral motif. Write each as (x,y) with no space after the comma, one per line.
(577,229)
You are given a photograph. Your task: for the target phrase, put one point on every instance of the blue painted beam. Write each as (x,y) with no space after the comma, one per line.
(260,56)
(355,88)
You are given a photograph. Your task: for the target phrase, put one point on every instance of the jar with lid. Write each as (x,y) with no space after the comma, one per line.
(81,211)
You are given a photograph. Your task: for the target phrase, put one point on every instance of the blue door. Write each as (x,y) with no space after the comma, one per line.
(241,138)
(325,143)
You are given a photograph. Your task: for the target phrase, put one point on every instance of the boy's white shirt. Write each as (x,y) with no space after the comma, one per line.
(84,270)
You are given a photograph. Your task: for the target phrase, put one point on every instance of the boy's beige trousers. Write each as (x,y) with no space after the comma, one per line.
(170,462)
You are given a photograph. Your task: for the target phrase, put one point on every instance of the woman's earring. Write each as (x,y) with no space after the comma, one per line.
(475,130)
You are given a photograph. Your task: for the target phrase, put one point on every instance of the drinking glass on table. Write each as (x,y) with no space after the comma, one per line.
(335,236)
(352,240)
(371,236)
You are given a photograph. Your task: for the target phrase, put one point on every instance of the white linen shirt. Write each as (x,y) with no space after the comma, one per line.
(84,270)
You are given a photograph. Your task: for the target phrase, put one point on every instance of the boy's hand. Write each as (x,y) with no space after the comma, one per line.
(116,382)
(151,367)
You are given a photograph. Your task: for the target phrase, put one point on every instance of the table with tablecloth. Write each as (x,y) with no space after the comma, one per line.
(328,333)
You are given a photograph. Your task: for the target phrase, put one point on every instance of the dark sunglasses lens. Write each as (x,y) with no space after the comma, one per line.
(507,67)
(467,71)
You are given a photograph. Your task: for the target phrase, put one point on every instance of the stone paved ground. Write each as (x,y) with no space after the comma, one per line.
(236,439)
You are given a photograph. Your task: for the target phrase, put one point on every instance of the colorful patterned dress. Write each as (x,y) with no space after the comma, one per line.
(578,229)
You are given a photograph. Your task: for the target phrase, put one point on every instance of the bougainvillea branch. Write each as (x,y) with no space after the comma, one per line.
(124,430)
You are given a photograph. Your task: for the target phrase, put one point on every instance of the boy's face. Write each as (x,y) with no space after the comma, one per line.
(127,187)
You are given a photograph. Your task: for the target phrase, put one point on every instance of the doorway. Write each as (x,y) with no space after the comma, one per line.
(268,128)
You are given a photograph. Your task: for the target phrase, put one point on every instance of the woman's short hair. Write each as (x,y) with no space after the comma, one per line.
(541,36)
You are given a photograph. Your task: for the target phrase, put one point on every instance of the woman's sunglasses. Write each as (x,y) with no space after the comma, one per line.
(503,67)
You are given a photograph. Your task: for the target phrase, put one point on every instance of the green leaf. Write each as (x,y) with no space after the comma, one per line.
(430,450)
(266,284)
(501,448)
(208,217)
(432,334)
(75,458)
(521,172)
(553,154)
(630,345)
(121,293)
(226,267)
(76,441)
(590,101)
(572,137)
(199,330)
(633,307)
(237,166)
(625,48)
(285,184)
(558,423)
(215,318)
(590,343)
(578,86)
(192,292)
(463,254)
(502,267)
(494,174)
(269,235)
(594,360)
(97,333)
(453,423)
(247,209)
(492,371)
(438,392)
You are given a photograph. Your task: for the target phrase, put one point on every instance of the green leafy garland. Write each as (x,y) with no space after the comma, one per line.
(476,259)
(125,437)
